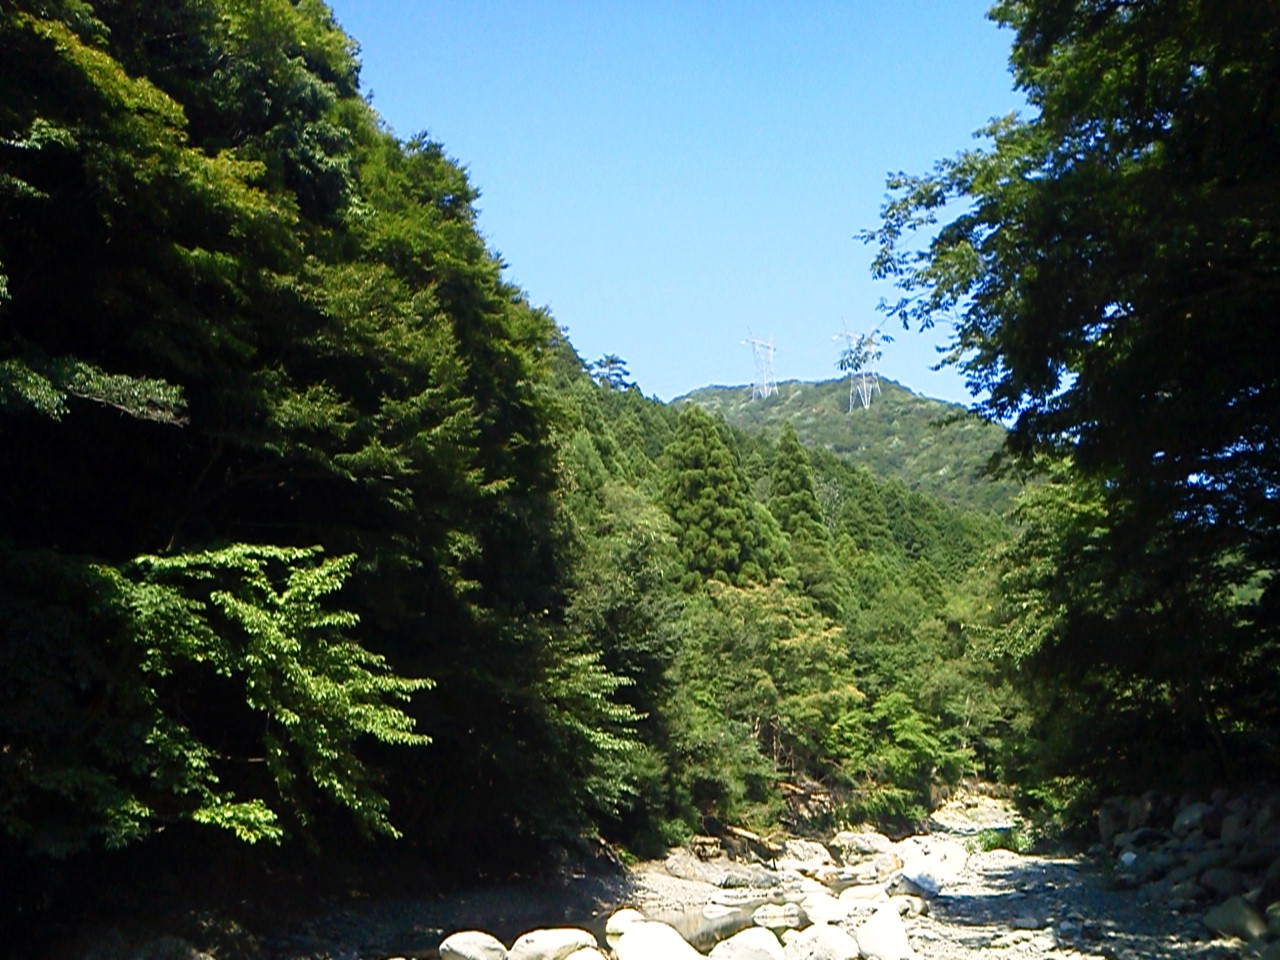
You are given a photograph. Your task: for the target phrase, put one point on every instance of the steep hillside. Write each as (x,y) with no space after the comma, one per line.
(928,444)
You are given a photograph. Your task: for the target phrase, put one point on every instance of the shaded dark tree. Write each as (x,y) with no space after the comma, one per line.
(1113,277)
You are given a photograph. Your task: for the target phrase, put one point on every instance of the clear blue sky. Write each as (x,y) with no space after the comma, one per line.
(665,176)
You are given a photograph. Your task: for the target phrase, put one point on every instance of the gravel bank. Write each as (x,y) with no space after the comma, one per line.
(1014,906)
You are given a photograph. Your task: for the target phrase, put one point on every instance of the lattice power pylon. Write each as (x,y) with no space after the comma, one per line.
(860,357)
(765,386)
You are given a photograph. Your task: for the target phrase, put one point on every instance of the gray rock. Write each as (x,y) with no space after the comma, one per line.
(1113,818)
(1222,881)
(1272,877)
(1211,822)
(1257,854)
(1190,817)
(1235,918)
(1180,874)
(1140,811)
(1141,837)
(1214,855)
(1186,890)
(1136,867)
(472,945)
(735,876)
(1273,919)
(552,943)
(809,851)
(754,944)
(683,864)
(720,873)
(778,916)
(1267,819)
(903,887)
(850,844)
(877,869)
(1160,862)
(1235,827)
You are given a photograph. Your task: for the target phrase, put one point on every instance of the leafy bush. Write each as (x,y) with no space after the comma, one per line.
(1016,838)
(215,687)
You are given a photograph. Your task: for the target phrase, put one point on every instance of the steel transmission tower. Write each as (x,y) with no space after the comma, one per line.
(861,354)
(765,386)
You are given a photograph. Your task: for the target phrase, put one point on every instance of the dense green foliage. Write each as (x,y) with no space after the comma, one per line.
(840,658)
(1112,272)
(310,522)
(237,311)
(723,533)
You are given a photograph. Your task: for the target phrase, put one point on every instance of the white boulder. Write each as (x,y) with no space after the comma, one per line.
(651,940)
(552,943)
(929,865)
(883,937)
(824,908)
(472,945)
(865,892)
(619,920)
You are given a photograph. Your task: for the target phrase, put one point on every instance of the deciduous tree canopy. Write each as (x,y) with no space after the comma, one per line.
(1112,268)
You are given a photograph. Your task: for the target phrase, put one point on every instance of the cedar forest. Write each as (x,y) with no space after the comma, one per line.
(315,535)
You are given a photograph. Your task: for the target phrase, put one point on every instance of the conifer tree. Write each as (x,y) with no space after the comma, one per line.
(792,499)
(718,527)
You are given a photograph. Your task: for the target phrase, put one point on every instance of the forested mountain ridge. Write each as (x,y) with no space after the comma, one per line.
(931,446)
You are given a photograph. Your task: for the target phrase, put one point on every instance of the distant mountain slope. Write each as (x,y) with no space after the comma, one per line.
(902,434)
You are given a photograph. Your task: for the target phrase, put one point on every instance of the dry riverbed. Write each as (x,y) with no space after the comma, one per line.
(994,904)
(999,904)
